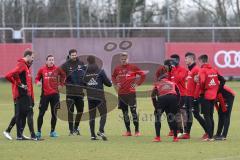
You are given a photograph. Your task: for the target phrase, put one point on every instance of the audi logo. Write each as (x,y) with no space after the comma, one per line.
(228,61)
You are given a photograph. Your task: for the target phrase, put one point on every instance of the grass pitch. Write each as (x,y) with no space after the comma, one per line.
(118,147)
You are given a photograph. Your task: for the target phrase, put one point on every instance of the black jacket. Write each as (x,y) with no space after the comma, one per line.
(94,79)
(70,67)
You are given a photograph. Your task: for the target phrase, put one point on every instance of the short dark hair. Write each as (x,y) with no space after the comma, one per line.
(91,59)
(28,53)
(49,56)
(190,54)
(175,56)
(72,51)
(203,58)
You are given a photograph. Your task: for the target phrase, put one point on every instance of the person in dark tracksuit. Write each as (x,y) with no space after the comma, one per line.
(224,105)
(73,97)
(165,98)
(94,80)
(22,89)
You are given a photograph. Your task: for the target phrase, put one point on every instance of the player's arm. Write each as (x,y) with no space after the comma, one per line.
(39,77)
(178,93)
(106,80)
(62,76)
(154,97)
(114,76)
(13,76)
(181,76)
(222,82)
(141,73)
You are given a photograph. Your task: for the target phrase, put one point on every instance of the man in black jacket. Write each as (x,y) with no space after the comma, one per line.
(94,80)
(73,97)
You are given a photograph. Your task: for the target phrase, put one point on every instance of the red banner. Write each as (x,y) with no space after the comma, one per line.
(224,56)
(10,53)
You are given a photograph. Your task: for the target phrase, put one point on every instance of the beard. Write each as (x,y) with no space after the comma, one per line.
(30,63)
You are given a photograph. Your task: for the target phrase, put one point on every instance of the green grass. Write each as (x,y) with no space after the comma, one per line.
(118,147)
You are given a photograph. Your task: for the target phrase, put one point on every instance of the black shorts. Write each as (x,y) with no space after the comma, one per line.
(53,99)
(168,103)
(126,100)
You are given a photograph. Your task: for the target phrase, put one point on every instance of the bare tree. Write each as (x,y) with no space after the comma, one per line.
(23,18)
(70,16)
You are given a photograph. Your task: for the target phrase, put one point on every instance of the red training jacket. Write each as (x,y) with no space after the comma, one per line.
(51,78)
(208,82)
(21,74)
(178,75)
(191,84)
(125,76)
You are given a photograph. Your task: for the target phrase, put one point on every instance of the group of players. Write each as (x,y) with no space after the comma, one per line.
(177,92)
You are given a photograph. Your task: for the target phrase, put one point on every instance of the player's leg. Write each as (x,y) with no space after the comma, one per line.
(102,108)
(6,133)
(207,111)
(29,115)
(122,104)
(79,103)
(92,115)
(182,124)
(43,105)
(157,114)
(172,109)
(19,118)
(133,108)
(54,103)
(189,104)
(221,119)
(70,106)
(198,117)
(228,117)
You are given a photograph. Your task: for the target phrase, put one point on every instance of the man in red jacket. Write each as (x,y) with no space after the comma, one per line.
(23,96)
(208,86)
(178,75)
(192,102)
(49,77)
(165,98)
(124,78)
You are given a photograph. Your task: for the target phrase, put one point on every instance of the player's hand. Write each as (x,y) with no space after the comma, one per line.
(39,84)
